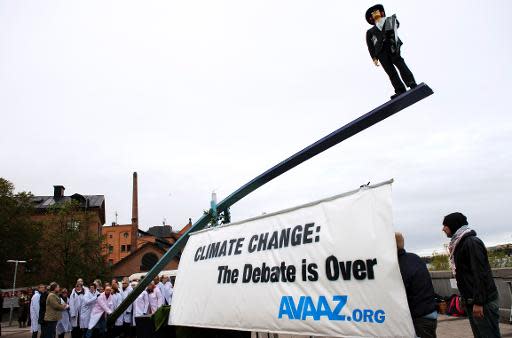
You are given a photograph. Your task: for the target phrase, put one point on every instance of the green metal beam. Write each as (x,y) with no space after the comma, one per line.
(363,122)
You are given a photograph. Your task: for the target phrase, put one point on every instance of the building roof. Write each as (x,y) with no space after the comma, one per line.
(89,201)
(42,203)
(161,231)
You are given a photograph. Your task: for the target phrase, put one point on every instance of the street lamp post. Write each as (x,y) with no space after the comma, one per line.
(16,262)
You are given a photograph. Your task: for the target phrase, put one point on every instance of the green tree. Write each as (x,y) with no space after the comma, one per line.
(499,259)
(20,235)
(440,262)
(71,249)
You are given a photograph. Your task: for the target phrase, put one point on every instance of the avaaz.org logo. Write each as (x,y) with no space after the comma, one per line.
(305,308)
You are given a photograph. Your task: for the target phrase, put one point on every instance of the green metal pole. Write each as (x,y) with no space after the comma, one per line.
(363,122)
(159,266)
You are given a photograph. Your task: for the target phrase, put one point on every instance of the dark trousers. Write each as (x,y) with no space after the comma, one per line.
(128,330)
(100,330)
(114,331)
(49,329)
(388,62)
(488,327)
(77,332)
(425,328)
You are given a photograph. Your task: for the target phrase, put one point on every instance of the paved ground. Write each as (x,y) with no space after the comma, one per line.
(459,328)
(448,327)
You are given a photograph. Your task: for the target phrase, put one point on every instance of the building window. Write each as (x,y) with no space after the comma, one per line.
(125,235)
(110,236)
(74,225)
(123,248)
(110,249)
(128,248)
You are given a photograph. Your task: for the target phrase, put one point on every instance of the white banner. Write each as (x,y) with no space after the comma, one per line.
(328,268)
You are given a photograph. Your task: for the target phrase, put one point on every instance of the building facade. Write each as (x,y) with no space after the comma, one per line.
(93,205)
(130,250)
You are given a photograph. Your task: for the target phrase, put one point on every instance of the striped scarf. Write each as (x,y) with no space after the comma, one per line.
(457,236)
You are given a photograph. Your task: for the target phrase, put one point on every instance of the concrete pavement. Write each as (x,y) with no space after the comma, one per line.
(448,327)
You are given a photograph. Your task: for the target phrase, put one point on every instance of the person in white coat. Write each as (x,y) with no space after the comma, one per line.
(118,299)
(64,324)
(165,287)
(140,306)
(126,288)
(102,308)
(156,299)
(75,305)
(34,311)
(159,282)
(88,303)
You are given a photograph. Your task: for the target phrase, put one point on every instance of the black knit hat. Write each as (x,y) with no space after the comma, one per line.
(372,9)
(455,221)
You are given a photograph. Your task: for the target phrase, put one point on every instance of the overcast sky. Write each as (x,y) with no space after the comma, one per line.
(204,95)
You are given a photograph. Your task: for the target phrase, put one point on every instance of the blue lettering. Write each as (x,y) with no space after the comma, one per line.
(342,301)
(357,315)
(309,309)
(305,308)
(380,316)
(323,309)
(284,308)
(368,316)
(296,310)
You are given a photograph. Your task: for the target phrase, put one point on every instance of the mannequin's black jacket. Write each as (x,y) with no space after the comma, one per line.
(418,284)
(473,272)
(375,40)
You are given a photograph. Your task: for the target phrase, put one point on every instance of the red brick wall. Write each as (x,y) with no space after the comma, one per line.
(132,264)
(116,237)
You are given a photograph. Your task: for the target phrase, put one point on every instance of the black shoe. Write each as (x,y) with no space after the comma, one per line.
(413,85)
(397,95)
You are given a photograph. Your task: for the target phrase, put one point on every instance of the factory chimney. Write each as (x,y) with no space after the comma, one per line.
(135,214)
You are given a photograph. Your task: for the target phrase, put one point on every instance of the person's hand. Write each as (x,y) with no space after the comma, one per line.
(478,311)
(376,62)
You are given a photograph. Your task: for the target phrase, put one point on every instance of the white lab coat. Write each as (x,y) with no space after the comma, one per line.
(64,324)
(156,300)
(86,307)
(168,292)
(127,316)
(161,287)
(118,299)
(102,306)
(75,305)
(140,306)
(34,312)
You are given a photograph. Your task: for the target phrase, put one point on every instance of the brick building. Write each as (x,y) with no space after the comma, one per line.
(131,250)
(93,205)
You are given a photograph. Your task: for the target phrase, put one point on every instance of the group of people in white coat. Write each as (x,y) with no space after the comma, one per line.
(157,294)
(49,311)
(84,312)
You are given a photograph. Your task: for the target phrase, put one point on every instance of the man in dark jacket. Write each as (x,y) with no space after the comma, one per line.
(384,46)
(419,290)
(470,265)
(42,309)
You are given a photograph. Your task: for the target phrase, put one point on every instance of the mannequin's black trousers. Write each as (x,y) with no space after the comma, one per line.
(389,61)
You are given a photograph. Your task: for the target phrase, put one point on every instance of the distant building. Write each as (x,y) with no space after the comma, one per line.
(131,250)
(94,205)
